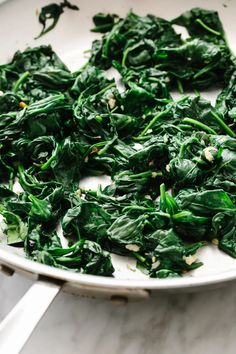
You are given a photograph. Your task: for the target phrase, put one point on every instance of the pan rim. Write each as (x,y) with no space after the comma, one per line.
(21,264)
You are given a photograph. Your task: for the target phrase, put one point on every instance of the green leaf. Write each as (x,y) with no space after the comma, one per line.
(127,232)
(208,203)
(17,230)
(41,210)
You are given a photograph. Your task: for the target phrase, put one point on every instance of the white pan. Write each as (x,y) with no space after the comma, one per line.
(70,38)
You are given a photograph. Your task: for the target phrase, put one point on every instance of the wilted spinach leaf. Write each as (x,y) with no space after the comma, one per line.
(51,13)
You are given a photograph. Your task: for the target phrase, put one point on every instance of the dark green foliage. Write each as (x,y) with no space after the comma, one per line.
(172,162)
(51,13)
(191,226)
(132,40)
(207,203)
(16,229)
(172,253)
(9,102)
(126,231)
(224,225)
(150,43)
(40,209)
(103,22)
(34,59)
(204,27)
(89,81)
(86,219)
(150,79)
(226,102)
(197,63)
(55,79)
(202,23)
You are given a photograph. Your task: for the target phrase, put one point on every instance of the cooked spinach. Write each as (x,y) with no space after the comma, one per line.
(172,162)
(50,14)
(202,23)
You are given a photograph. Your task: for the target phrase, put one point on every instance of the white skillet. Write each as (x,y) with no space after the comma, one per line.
(70,38)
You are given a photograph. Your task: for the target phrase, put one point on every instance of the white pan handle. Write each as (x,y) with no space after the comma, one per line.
(18,325)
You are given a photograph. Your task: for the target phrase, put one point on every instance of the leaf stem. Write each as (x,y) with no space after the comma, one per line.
(200,125)
(204,70)
(224,126)
(49,161)
(22,177)
(11,181)
(153,121)
(137,207)
(163,197)
(106,147)
(139,257)
(209,29)
(185,145)
(180,87)
(20,81)
(105,50)
(126,52)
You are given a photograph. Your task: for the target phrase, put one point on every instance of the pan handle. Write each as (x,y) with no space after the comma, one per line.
(18,325)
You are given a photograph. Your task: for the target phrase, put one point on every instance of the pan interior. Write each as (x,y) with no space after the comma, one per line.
(71,38)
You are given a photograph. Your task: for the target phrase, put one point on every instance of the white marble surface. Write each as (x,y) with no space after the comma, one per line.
(178,324)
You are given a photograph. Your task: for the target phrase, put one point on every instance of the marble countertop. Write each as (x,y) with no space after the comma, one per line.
(185,323)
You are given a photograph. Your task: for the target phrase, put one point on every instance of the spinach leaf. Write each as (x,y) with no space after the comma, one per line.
(52,12)
(207,202)
(202,23)
(127,232)
(103,22)
(224,226)
(171,254)
(16,229)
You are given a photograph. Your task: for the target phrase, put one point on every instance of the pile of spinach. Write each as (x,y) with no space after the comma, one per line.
(172,162)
